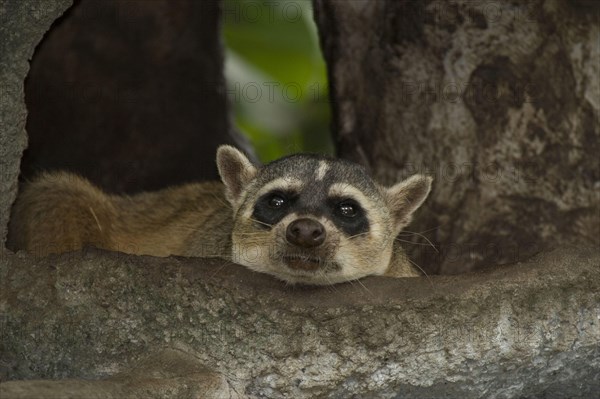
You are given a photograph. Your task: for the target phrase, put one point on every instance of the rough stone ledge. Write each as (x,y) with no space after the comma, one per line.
(527,330)
(168,374)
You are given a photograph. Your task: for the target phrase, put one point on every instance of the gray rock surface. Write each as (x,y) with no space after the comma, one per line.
(163,375)
(498,100)
(22,26)
(527,330)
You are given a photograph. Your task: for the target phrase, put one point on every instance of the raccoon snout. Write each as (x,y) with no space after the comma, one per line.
(305,233)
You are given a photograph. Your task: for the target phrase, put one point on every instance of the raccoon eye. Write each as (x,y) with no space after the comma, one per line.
(347,209)
(276,201)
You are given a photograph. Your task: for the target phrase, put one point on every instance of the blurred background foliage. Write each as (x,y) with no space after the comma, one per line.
(276,76)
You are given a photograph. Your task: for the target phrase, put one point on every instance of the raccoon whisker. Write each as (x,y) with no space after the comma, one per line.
(224,203)
(431,229)
(425,238)
(323,274)
(403,232)
(259,222)
(365,287)
(95,218)
(360,234)
(351,281)
(219,269)
(424,272)
(412,242)
(222,256)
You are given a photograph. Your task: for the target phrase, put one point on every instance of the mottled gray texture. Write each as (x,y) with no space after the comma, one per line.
(169,374)
(22,26)
(498,100)
(526,330)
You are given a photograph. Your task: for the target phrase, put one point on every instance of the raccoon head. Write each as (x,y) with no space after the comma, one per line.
(312,219)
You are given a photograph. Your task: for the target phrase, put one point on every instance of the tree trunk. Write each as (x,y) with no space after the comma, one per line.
(498,101)
(129,94)
(530,330)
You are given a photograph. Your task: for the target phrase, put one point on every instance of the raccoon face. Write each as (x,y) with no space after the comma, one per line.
(312,219)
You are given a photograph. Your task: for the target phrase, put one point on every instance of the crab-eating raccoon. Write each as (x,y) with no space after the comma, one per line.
(303,218)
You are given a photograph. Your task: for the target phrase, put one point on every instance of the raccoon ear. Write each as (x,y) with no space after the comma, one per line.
(406,197)
(236,171)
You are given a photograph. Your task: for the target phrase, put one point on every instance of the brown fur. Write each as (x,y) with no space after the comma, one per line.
(60,212)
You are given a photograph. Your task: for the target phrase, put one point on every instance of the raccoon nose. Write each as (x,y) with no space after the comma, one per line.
(306,233)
